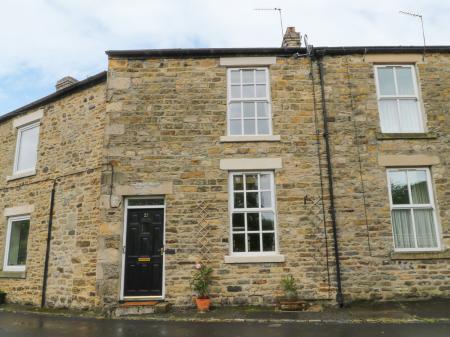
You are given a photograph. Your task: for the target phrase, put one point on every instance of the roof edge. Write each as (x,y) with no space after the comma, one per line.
(83,84)
(209,52)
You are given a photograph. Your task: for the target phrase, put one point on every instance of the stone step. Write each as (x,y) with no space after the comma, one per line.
(141,308)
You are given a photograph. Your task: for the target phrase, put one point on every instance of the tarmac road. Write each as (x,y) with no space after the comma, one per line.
(35,325)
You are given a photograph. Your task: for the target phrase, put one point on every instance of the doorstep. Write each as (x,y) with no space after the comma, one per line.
(131,308)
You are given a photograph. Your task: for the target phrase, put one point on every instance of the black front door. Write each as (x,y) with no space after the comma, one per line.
(143,252)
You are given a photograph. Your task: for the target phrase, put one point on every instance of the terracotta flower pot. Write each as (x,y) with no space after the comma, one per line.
(203,304)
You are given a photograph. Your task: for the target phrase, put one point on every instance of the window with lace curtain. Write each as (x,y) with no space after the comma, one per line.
(413,211)
(398,99)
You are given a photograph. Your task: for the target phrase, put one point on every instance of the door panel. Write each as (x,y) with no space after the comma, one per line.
(143,252)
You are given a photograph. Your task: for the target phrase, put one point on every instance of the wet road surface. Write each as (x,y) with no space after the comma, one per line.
(32,325)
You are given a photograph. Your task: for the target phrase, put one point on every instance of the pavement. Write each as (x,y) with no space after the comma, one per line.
(412,319)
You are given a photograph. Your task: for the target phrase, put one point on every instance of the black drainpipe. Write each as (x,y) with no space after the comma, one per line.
(339,296)
(49,238)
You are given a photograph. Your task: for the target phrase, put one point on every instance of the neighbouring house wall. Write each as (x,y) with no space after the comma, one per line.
(379,273)
(70,149)
(165,120)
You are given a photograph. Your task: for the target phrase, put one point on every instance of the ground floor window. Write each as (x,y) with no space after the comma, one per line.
(16,243)
(413,211)
(252,213)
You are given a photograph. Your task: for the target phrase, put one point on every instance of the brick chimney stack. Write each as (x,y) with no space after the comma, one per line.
(65,82)
(291,38)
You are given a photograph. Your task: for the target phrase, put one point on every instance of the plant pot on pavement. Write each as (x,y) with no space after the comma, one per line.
(203,304)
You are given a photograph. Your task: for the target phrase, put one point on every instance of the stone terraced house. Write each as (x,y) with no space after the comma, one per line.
(329,163)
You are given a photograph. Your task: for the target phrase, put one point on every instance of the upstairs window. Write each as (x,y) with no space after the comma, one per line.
(26,149)
(253,218)
(16,243)
(249,102)
(398,99)
(412,210)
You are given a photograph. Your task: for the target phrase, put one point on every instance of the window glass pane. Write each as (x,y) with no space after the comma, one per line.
(235,127)
(252,199)
(425,229)
(235,110)
(263,126)
(248,91)
(268,242)
(267,221)
(18,240)
(239,200)
(238,182)
(419,188)
(253,221)
(238,222)
(253,243)
(389,115)
(26,159)
(405,81)
(235,78)
(249,109)
(235,91)
(403,232)
(251,181)
(238,243)
(260,76)
(409,115)
(247,76)
(265,200)
(386,82)
(261,90)
(145,202)
(249,127)
(399,188)
(262,109)
(265,181)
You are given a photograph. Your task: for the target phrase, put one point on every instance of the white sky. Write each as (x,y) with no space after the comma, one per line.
(43,40)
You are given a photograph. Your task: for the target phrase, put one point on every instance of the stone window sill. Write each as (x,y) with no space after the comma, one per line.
(436,255)
(13,274)
(394,136)
(254,259)
(21,175)
(238,139)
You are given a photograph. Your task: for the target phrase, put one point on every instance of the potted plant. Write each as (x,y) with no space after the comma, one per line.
(289,287)
(2,296)
(200,282)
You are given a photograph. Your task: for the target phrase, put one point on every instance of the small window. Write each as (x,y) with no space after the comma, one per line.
(398,99)
(26,149)
(253,219)
(412,210)
(249,111)
(16,243)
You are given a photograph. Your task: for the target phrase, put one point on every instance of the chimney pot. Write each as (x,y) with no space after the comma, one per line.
(65,82)
(291,38)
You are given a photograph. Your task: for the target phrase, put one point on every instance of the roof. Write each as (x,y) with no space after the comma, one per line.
(86,83)
(209,52)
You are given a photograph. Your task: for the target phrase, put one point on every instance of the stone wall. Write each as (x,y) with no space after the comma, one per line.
(70,151)
(370,268)
(165,120)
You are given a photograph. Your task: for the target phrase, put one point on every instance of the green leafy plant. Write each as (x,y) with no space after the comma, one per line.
(201,280)
(289,286)
(2,292)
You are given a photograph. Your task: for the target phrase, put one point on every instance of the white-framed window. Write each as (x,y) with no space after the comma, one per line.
(413,213)
(398,99)
(16,243)
(249,107)
(26,149)
(252,213)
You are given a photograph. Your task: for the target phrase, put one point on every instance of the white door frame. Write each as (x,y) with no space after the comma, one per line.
(124,242)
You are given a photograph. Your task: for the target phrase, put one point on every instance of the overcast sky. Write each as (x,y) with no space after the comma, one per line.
(44,40)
